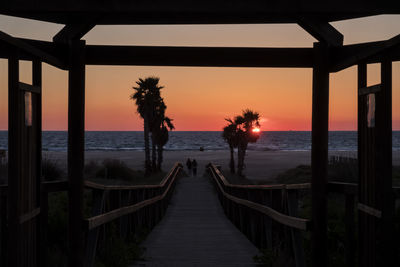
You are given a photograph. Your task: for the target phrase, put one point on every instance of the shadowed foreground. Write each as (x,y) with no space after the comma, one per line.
(195,231)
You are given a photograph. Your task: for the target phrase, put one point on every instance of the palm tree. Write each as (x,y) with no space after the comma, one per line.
(162,138)
(159,111)
(147,92)
(246,123)
(230,136)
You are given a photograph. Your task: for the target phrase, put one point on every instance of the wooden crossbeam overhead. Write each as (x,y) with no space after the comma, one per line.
(32,50)
(195,12)
(73,31)
(341,57)
(199,56)
(368,52)
(322,31)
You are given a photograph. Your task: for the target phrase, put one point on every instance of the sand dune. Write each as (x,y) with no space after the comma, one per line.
(260,165)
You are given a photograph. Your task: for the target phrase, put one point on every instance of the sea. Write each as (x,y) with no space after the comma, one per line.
(194,140)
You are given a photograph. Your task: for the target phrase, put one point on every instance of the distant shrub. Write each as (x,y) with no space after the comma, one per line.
(339,169)
(115,169)
(343,169)
(51,170)
(300,174)
(91,169)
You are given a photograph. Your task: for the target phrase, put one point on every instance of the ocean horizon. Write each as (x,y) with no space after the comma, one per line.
(194,140)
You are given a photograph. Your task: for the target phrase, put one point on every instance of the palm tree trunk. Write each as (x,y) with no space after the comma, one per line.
(232,162)
(160,157)
(241,154)
(147,163)
(239,167)
(153,153)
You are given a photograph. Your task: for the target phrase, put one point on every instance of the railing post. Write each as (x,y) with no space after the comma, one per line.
(92,236)
(297,243)
(124,219)
(268,220)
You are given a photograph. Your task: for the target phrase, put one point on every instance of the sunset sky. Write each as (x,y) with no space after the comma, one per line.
(199,98)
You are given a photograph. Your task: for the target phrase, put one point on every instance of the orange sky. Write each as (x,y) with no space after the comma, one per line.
(200,98)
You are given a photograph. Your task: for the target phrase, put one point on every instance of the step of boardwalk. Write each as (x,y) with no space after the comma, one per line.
(195,231)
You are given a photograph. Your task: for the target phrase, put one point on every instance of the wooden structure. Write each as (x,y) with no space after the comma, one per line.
(196,232)
(268,214)
(135,208)
(328,55)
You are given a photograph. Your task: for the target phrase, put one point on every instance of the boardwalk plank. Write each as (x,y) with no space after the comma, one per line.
(195,231)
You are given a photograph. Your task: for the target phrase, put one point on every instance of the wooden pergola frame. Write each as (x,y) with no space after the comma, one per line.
(69,52)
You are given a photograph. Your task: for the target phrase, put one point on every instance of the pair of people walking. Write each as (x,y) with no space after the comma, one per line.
(192,166)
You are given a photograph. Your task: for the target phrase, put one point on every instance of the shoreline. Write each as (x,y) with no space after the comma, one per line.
(260,165)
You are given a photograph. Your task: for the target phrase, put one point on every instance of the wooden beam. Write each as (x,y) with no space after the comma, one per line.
(362,156)
(76,152)
(199,56)
(29,88)
(32,50)
(29,216)
(319,154)
(15,113)
(55,186)
(41,198)
(383,122)
(322,31)
(369,89)
(193,12)
(369,210)
(353,54)
(73,32)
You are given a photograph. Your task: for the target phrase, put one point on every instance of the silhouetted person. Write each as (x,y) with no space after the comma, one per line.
(189,165)
(194,167)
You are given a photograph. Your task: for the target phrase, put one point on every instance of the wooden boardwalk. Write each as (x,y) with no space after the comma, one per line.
(195,231)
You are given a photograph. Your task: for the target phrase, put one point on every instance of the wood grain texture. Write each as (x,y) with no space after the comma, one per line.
(195,231)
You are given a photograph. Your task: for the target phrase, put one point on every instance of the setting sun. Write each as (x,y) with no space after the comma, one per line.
(256,130)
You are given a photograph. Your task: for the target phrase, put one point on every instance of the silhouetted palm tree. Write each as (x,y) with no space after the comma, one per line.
(245,134)
(158,115)
(147,93)
(162,138)
(230,136)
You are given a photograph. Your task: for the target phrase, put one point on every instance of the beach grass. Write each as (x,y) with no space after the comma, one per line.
(116,172)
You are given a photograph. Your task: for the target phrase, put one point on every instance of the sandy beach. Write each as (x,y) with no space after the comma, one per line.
(260,165)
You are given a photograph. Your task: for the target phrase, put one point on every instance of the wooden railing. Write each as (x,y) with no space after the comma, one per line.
(267,214)
(132,208)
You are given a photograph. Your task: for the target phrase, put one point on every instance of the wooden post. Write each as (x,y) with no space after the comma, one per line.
(3,230)
(362,156)
(297,239)
(76,147)
(15,112)
(386,255)
(41,224)
(350,241)
(319,154)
